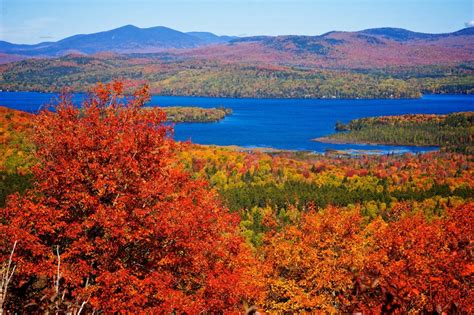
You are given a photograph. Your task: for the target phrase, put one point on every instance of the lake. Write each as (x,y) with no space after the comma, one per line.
(288,124)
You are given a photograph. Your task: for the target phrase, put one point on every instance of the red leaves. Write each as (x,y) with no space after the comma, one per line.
(124,215)
(415,261)
(333,261)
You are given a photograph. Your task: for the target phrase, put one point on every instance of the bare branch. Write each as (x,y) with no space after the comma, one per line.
(58,277)
(7,275)
(82,305)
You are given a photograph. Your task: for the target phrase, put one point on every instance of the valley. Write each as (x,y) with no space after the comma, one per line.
(250,157)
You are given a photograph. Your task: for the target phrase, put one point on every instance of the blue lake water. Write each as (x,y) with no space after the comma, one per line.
(278,123)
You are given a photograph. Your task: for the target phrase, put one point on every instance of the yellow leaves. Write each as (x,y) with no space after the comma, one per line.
(291,296)
(365,183)
(313,260)
(219,179)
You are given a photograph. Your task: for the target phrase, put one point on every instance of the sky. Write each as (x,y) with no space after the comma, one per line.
(33,21)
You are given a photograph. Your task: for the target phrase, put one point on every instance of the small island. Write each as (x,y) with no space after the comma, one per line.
(453,132)
(180,114)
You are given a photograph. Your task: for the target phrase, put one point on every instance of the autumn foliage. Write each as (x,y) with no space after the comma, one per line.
(425,266)
(133,232)
(312,264)
(121,218)
(333,261)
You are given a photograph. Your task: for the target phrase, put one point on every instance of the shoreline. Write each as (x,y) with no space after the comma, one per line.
(329,140)
(238,148)
(328,152)
(328,98)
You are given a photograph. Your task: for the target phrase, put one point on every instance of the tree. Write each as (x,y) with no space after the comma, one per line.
(422,266)
(312,266)
(133,231)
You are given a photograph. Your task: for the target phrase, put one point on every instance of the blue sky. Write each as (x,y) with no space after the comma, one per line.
(33,21)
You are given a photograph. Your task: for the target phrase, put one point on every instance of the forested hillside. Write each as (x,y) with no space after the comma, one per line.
(374,63)
(453,132)
(205,78)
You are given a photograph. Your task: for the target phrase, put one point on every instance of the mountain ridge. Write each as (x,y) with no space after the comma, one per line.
(133,39)
(124,39)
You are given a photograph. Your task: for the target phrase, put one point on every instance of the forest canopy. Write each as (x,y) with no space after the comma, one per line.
(223,79)
(452,132)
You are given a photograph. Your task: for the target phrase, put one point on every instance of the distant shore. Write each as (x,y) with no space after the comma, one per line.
(328,152)
(449,132)
(331,140)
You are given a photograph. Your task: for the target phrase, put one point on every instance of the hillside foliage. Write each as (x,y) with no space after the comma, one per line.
(453,132)
(117,217)
(223,79)
(113,223)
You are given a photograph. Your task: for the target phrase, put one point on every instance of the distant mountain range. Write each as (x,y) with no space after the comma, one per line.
(126,39)
(372,63)
(366,49)
(333,45)
(402,35)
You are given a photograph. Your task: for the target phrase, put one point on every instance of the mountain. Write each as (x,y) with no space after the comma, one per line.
(399,34)
(366,49)
(126,39)
(210,38)
(469,31)
(402,35)
(323,44)
(375,63)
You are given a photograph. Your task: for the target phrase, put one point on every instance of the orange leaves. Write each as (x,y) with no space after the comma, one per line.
(312,266)
(112,196)
(415,261)
(468,270)
(334,262)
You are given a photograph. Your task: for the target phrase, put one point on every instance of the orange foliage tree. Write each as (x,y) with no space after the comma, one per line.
(115,224)
(421,266)
(334,261)
(311,266)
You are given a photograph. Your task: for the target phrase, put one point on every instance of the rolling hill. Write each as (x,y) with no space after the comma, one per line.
(373,63)
(371,48)
(367,49)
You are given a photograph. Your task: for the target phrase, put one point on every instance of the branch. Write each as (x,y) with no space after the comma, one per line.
(6,278)
(83,304)
(58,277)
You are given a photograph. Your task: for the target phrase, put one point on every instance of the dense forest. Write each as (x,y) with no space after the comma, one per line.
(193,114)
(221,79)
(113,215)
(453,132)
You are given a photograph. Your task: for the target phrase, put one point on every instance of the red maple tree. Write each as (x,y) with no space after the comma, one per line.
(114,223)
(418,265)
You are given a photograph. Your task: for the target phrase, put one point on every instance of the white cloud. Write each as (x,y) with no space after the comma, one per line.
(470,23)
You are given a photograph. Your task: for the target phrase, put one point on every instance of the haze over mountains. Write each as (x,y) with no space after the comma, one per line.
(372,47)
(126,39)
